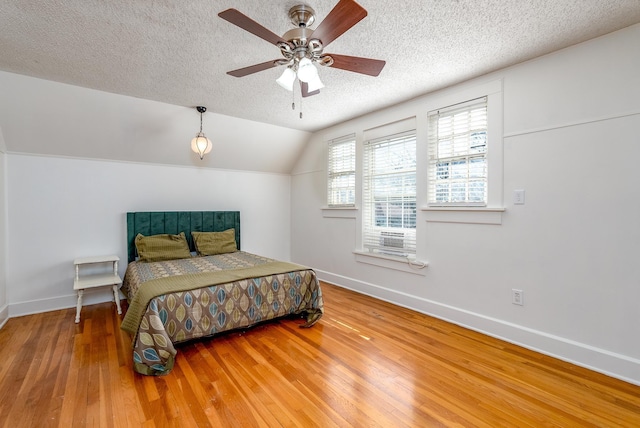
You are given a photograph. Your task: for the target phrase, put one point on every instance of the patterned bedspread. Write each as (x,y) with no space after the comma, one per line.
(207,301)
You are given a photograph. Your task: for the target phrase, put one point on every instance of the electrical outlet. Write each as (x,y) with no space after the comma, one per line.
(518,197)
(517,297)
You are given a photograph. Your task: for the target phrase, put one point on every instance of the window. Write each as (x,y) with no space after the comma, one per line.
(458,147)
(341,185)
(389,195)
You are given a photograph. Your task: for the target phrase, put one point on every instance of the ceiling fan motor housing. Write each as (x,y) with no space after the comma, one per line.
(302,15)
(299,45)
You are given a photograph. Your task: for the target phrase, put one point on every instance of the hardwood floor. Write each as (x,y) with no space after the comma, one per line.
(366,363)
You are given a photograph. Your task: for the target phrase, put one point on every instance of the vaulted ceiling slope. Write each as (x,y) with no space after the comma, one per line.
(178,52)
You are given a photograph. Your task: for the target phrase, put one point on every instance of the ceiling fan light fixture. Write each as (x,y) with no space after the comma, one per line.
(200,143)
(301,46)
(306,70)
(287,78)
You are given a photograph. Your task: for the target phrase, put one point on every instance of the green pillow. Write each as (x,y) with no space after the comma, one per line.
(157,248)
(212,243)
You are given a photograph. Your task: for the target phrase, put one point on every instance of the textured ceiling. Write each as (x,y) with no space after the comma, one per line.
(178,51)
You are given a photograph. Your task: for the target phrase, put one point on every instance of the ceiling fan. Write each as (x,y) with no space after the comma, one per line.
(303,47)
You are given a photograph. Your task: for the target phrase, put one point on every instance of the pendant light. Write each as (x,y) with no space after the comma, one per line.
(201,144)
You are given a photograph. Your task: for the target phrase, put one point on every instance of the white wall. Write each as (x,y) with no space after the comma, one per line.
(62,208)
(4,309)
(570,124)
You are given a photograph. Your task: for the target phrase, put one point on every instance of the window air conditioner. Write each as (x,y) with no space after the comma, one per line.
(392,242)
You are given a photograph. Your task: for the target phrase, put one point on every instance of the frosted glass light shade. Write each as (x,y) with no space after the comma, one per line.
(286,79)
(314,84)
(201,145)
(306,70)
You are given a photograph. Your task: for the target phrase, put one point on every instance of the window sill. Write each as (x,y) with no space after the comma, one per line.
(391,262)
(339,212)
(470,215)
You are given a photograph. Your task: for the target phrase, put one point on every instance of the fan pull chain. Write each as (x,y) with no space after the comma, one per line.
(300,102)
(293,101)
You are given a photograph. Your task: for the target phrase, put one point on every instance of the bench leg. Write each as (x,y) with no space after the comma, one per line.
(117,298)
(79,305)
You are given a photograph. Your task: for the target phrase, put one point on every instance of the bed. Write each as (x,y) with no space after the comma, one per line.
(205,292)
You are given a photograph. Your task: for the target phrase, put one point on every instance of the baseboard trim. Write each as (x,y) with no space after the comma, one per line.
(600,360)
(91,297)
(4,315)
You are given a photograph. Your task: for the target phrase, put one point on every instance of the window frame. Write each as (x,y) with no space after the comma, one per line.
(334,173)
(458,153)
(385,240)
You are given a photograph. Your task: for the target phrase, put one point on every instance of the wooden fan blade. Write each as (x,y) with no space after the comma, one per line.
(343,16)
(241,72)
(305,90)
(369,66)
(243,21)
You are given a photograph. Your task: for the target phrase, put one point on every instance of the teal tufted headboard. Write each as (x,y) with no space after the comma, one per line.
(174,222)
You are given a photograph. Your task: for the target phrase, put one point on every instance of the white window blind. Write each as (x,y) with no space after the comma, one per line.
(341,185)
(458,147)
(389,195)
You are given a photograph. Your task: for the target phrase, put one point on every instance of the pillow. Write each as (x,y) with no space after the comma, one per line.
(212,243)
(157,248)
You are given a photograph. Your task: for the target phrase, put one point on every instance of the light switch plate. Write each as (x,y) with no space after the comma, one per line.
(518,197)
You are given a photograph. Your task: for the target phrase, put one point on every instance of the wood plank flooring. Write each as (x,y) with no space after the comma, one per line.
(366,363)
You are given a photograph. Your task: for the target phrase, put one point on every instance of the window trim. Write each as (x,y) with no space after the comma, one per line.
(342,212)
(492,212)
(404,264)
(468,215)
